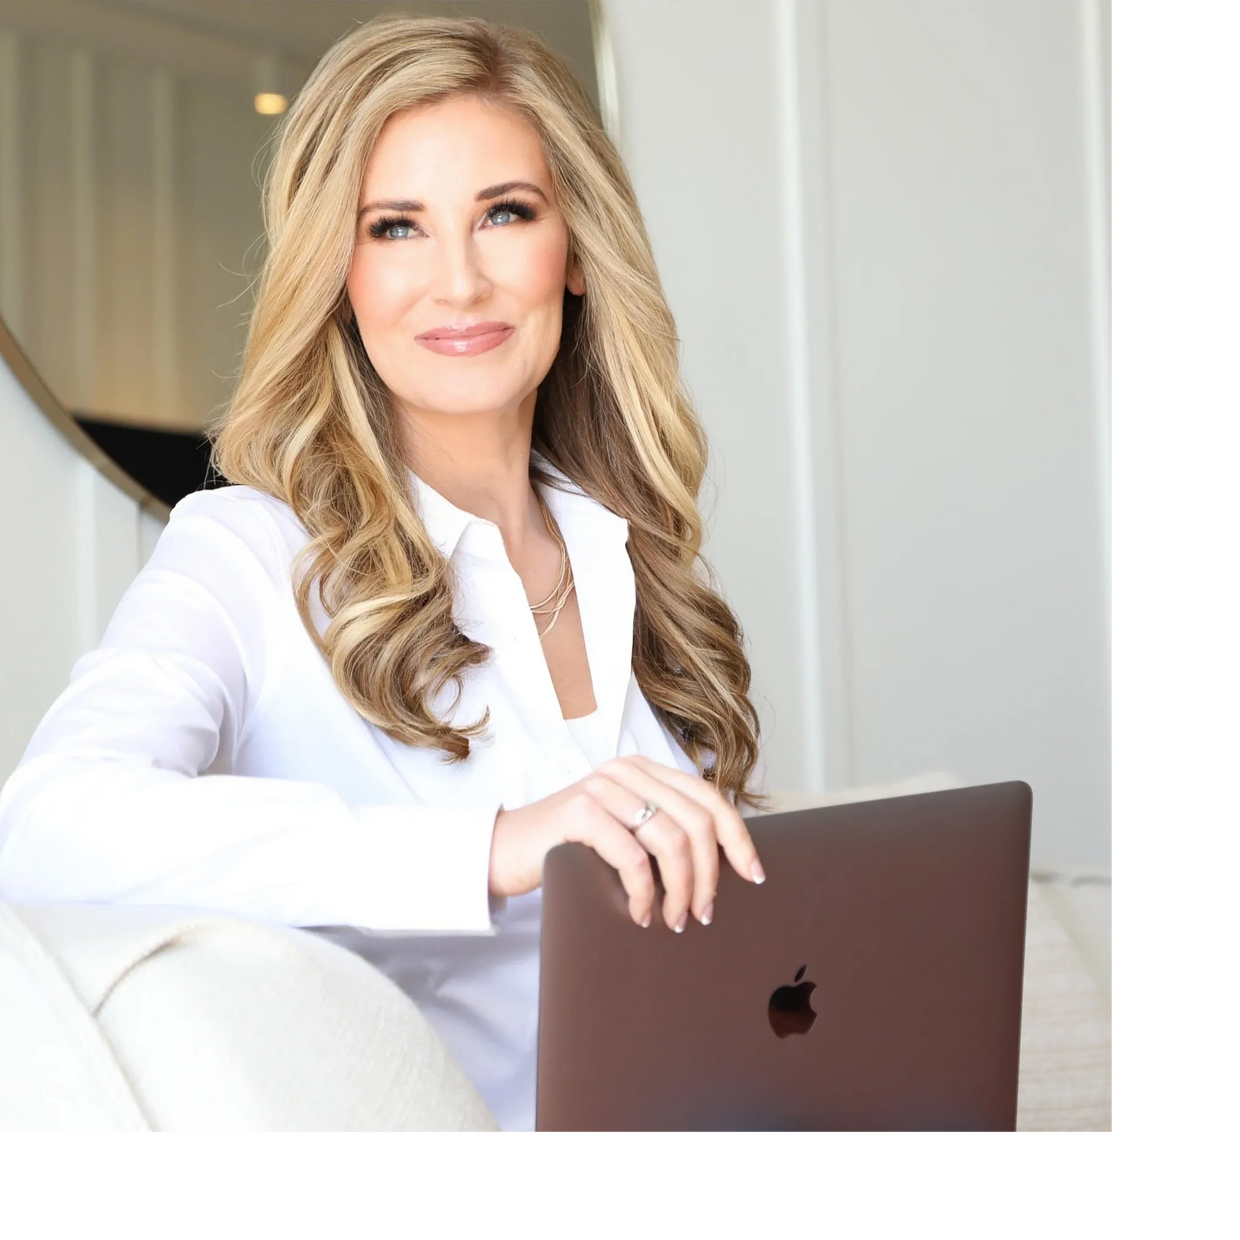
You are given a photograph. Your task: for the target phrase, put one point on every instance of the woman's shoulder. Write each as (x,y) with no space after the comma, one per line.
(259,519)
(226,522)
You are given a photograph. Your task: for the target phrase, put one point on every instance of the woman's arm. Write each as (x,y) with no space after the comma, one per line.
(113,803)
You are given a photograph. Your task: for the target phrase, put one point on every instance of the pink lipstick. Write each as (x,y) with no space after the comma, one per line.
(465,341)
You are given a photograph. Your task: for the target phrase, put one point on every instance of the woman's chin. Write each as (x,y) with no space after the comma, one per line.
(472,403)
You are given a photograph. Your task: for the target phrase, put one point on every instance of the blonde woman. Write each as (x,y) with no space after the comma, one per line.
(450,611)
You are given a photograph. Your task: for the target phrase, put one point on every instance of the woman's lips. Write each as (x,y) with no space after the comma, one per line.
(465,346)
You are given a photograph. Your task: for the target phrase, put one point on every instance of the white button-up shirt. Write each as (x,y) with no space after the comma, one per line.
(202,755)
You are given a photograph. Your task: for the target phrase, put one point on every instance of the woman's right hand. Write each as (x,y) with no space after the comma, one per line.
(692,823)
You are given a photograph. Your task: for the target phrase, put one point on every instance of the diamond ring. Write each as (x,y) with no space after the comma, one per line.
(648,812)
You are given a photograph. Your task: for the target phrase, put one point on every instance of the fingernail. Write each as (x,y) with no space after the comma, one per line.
(684,921)
(759,874)
(707,913)
(647,920)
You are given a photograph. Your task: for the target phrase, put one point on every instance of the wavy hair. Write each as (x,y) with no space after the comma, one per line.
(310,420)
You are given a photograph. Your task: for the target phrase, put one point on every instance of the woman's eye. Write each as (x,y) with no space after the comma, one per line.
(381,229)
(515,210)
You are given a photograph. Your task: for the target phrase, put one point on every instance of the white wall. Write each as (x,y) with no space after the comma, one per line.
(879,226)
(71,542)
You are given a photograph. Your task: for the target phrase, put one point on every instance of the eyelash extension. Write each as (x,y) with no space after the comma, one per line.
(379,228)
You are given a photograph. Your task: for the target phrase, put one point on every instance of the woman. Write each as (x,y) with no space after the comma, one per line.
(450,612)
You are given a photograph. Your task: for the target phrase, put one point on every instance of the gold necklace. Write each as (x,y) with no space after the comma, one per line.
(553,604)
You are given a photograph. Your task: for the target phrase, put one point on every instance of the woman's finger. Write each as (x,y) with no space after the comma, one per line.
(674,853)
(591,824)
(693,819)
(730,827)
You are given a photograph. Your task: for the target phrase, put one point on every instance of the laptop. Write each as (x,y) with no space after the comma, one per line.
(873,982)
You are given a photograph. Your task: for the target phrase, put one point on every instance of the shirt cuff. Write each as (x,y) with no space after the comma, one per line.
(422,869)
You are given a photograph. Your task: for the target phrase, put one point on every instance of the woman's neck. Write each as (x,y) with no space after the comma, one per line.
(481,464)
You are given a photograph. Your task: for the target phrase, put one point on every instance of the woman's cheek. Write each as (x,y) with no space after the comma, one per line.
(379,288)
(396,286)
(536,273)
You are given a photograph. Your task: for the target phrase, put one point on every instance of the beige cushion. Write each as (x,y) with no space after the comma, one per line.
(1065,1044)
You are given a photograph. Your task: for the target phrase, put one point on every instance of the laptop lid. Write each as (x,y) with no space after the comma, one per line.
(872,982)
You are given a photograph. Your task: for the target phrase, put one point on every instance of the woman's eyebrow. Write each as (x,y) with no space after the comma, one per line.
(491,191)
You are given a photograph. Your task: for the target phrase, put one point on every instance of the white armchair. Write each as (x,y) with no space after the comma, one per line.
(143,1017)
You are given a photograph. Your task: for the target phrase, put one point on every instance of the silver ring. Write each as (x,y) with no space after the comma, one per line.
(648,812)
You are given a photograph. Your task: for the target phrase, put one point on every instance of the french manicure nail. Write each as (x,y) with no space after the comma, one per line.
(707,913)
(759,874)
(684,921)
(647,920)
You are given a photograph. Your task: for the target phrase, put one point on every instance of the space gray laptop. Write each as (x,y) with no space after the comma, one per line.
(872,982)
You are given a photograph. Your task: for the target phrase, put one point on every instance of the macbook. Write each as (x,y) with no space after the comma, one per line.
(872,982)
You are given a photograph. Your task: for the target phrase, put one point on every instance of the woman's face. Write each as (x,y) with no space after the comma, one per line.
(445,239)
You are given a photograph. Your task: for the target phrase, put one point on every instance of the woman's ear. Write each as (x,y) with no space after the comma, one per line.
(575,281)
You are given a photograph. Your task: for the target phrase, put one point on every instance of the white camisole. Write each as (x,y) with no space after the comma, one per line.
(592,743)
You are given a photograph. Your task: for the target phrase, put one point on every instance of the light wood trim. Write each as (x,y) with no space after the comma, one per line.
(605,71)
(78,439)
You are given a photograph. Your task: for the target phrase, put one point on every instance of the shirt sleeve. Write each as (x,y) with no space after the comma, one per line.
(124,795)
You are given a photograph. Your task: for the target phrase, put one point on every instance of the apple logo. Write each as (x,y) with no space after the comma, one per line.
(790,1010)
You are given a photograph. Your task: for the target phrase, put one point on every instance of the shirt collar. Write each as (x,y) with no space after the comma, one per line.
(443,521)
(571,507)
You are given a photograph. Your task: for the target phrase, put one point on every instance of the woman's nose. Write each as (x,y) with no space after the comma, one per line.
(459,274)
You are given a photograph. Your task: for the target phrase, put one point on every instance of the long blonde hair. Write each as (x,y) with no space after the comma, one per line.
(310,421)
